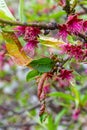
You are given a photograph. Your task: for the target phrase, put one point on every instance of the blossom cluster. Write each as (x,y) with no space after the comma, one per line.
(30,35)
(64,77)
(73,25)
(75,51)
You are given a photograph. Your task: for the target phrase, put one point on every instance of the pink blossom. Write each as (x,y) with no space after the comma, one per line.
(30,36)
(74,24)
(1,59)
(75,51)
(65,74)
(30,47)
(85,45)
(63,32)
(75,114)
(86,71)
(31,33)
(62,83)
(85,54)
(85,26)
(20,30)
(46,88)
(2,55)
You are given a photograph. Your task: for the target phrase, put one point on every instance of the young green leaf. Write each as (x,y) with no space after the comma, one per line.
(5,12)
(42,65)
(21,10)
(62,95)
(51,124)
(59,116)
(76,93)
(32,74)
(43,117)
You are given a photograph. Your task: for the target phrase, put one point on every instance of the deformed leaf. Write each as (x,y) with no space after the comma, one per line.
(14,49)
(50,42)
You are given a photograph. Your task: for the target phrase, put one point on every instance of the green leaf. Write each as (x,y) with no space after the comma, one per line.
(83,99)
(51,124)
(83,2)
(59,116)
(32,74)
(21,10)
(43,117)
(2,74)
(42,65)
(5,12)
(62,95)
(76,93)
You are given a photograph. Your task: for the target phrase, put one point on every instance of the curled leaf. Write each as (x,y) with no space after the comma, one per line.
(50,42)
(14,49)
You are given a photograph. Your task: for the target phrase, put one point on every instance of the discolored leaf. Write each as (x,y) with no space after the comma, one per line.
(14,49)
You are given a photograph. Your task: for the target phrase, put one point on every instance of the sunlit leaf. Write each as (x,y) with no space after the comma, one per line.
(21,10)
(4,11)
(50,42)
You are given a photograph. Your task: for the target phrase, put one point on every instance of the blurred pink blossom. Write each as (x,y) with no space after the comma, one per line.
(74,24)
(75,114)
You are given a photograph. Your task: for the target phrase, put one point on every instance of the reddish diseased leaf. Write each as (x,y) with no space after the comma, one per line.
(14,49)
